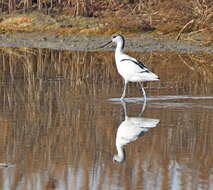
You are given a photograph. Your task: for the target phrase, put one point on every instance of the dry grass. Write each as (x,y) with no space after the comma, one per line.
(131,16)
(28,23)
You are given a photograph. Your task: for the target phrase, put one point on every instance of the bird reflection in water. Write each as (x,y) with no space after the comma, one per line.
(130,130)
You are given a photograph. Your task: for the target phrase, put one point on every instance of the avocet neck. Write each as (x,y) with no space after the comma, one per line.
(119,47)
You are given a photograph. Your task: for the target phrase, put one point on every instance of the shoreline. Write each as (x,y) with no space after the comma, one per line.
(82,42)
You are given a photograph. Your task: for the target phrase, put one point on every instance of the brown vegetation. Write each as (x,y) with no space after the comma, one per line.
(164,16)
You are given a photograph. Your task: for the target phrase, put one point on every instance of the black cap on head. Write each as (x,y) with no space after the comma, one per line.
(116,35)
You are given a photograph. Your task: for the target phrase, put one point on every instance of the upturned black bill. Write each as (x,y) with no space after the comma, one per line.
(105,44)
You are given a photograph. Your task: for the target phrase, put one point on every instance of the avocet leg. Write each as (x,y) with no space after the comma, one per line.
(124,91)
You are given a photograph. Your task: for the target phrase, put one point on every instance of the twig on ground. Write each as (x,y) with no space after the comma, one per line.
(181,31)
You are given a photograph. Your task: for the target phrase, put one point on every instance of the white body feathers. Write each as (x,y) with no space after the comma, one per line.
(129,68)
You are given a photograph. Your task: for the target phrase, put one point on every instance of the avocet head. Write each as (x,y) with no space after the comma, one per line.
(117,38)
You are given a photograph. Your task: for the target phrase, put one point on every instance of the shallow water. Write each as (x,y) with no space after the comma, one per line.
(60,112)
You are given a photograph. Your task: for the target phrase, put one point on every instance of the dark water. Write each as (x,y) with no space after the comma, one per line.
(60,112)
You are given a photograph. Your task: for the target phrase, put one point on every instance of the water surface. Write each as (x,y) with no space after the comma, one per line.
(60,112)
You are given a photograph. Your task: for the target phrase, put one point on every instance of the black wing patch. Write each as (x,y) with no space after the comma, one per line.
(140,64)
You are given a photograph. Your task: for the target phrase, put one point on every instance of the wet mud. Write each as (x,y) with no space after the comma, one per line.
(79,42)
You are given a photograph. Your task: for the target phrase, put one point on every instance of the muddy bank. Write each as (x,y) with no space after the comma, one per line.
(91,42)
(66,32)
